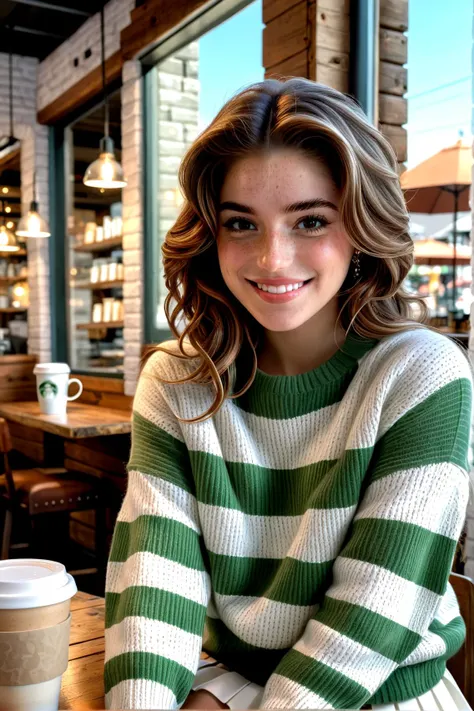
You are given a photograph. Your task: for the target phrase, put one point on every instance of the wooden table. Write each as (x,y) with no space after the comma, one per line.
(80,421)
(83,682)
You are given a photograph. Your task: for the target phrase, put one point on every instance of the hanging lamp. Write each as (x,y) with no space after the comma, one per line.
(8,241)
(11,140)
(32,224)
(106,172)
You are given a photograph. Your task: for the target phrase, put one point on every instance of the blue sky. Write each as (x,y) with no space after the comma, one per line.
(439,53)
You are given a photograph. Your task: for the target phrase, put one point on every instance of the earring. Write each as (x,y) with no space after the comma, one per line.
(356,263)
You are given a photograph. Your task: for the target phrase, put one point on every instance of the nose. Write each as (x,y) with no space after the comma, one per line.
(275,252)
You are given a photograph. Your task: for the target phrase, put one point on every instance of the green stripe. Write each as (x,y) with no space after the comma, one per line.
(335,688)
(162,536)
(453,635)
(156,452)
(368,628)
(410,551)
(259,401)
(283,580)
(154,604)
(144,665)
(260,491)
(254,663)
(436,430)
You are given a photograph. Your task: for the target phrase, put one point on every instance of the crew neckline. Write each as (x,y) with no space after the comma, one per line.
(338,365)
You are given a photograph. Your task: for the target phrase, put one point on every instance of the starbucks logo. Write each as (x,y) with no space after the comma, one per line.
(48,389)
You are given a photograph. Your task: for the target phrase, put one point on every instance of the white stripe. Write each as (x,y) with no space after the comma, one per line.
(141,634)
(150,403)
(448,609)
(152,496)
(383,592)
(343,654)
(314,537)
(283,693)
(153,571)
(430,493)
(263,622)
(430,647)
(140,694)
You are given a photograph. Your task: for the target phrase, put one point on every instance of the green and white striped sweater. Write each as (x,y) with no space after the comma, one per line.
(303,536)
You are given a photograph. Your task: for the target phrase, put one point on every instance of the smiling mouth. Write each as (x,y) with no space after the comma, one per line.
(281,288)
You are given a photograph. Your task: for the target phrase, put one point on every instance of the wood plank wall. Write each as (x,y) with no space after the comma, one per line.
(308,39)
(393,75)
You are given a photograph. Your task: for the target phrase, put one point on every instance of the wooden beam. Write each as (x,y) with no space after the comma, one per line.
(397,137)
(152,20)
(392,78)
(392,109)
(83,91)
(273,8)
(295,66)
(285,36)
(394,14)
(393,47)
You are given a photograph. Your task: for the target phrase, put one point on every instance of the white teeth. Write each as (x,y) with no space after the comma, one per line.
(280,289)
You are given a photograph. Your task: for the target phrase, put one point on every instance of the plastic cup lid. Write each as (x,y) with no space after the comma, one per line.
(51,368)
(33,582)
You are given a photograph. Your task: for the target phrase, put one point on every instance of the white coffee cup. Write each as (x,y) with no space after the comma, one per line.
(35,622)
(52,386)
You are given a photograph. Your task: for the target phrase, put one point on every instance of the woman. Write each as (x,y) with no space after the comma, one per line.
(299,469)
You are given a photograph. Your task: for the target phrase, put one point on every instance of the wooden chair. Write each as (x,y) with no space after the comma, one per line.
(461,666)
(38,492)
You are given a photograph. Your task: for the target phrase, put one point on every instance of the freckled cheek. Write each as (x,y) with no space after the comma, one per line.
(231,258)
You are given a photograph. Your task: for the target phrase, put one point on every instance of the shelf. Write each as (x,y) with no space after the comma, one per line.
(7,255)
(99,246)
(12,280)
(116,284)
(102,324)
(13,310)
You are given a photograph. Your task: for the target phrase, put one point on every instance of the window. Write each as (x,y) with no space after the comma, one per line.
(183,93)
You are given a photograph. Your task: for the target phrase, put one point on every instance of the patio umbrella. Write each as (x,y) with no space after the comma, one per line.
(433,252)
(441,184)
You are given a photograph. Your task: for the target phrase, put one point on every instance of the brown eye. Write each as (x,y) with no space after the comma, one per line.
(312,223)
(239,224)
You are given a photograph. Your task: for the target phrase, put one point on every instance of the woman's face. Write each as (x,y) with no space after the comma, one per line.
(282,248)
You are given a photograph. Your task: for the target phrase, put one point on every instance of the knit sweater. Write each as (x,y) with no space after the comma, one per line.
(303,535)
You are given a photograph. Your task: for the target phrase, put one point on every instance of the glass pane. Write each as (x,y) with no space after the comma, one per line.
(439,117)
(94,252)
(193,84)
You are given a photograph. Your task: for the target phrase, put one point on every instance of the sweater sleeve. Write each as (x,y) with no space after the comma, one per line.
(157,586)
(392,572)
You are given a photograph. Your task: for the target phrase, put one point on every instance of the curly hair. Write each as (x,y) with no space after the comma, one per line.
(325,124)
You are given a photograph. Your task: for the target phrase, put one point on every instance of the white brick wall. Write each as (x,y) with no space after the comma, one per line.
(132,136)
(34,152)
(57,72)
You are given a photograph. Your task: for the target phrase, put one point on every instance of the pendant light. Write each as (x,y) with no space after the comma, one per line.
(9,141)
(32,224)
(106,172)
(8,241)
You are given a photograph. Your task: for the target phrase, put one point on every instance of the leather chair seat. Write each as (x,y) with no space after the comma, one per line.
(49,490)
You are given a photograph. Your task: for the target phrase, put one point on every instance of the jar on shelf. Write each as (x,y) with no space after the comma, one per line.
(3,267)
(97,312)
(108,303)
(89,234)
(104,270)
(117,310)
(95,271)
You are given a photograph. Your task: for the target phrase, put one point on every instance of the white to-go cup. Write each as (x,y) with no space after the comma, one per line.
(35,620)
(52,387)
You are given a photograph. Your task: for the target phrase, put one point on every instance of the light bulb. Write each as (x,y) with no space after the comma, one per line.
(5,191)
(10,225)
(8,209)
(107,171)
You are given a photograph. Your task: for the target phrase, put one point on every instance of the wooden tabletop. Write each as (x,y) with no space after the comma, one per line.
(82,685)
(80,421)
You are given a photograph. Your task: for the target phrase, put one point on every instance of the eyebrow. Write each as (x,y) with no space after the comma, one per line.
(294,207)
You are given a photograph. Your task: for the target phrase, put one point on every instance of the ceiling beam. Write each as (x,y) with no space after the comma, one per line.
(58,8)
(40,33)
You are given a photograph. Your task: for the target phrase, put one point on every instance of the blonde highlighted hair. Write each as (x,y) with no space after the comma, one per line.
(330,126)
